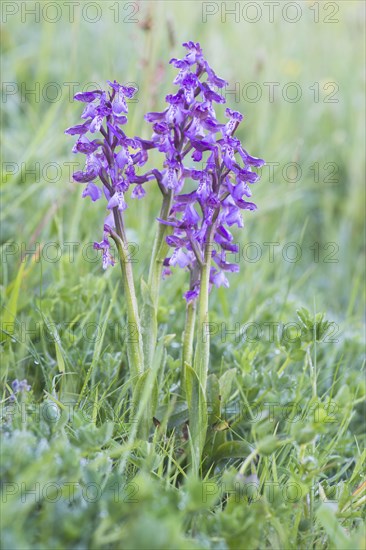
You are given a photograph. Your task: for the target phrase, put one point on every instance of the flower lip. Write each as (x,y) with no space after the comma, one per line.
(229,113)
(84,177)
(88,97)
(92,191)
(79,129)
(192,294)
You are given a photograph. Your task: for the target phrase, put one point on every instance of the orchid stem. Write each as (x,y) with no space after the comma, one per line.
(202,352)
(188,337)
(160,249)
(134,340)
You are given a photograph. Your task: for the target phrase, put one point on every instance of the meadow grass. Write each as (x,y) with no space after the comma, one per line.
(274,475)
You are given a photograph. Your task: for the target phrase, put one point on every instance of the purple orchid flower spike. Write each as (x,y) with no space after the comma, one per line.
(188,130)
(111,169)
(112,158)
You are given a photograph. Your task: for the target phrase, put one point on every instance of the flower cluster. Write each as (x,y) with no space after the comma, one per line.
(19,387)
(188,133)
(202,157)
(108,156)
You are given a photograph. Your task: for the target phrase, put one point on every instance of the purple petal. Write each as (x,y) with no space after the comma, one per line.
(87,97)
(180,257)
(214,79)
(84,177)
(117,201)
(96,124)
(152,117)
(84,145)
(197,156)
(92,191)
(219,279)
(78,129)
(191,294)
(15,385)
(247,175)
(225,266)
(122,158)
(191,216)
(138,192)
(119,105)
(170,179)
(248,159)
(234,217)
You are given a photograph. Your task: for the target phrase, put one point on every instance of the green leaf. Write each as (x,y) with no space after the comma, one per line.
(226,382)
(11,308)
(146,294)
(358,466)
(268,445)
(197,409)
(304,435)
(143,383)
(232,449)
(201,494)
(304,316)
(328,520)
(91,438)
(177,417)
(297,354)
(168,338)
(59,357)
(213,399)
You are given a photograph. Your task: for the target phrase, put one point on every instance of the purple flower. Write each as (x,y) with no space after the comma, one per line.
(19,387)
(105,246)
(117,200)
(192,295)
(180,258)
(219,279)
(84,145)
(235,119)
(111,156)
(16,385)
(138,192)
(92,191)
(87,97)
(85,176)
(79,129)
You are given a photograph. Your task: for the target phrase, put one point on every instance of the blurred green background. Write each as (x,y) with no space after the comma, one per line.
(314,197)
(323,132)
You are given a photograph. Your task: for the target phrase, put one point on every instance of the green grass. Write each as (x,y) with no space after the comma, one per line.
(73,427)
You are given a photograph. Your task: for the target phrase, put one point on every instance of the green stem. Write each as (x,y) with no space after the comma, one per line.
(188,336)
(134,343)
(159,253)
(202,353)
